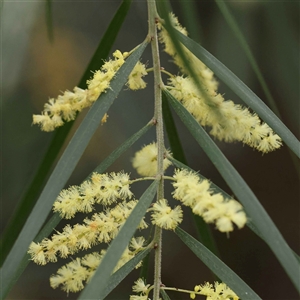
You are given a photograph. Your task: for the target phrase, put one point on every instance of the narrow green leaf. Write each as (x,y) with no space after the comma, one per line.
(118,276)
(65,167)
(191,19)
(145,265)
(106,42)
(281,32)
(241,39)
(164,295)
(252,206)
(243,91)
(98,284)
(30,196)
(217,266)
(47,229)
(171,130)
(125,146)
(49,20)
(217,189)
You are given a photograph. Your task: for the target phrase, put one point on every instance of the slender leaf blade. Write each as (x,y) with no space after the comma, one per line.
(47,229)
(65,167)
(217,189)
(217,266)
(171,130)
(30,196)
(97,286)
(191,19)
(119,275)
(106,42)
(164,295)
(243,43)
(251,204)
(120,150)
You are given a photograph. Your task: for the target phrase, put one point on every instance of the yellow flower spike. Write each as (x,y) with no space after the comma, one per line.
(228,122)
(219,291)
(213,208)
(65,107)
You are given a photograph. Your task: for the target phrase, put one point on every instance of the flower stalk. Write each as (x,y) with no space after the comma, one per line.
(152,17)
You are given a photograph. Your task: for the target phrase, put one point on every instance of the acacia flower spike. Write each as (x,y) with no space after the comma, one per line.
(228,121)
(213,208)
(101,228)
(72,276)
(66,106)
(102,189)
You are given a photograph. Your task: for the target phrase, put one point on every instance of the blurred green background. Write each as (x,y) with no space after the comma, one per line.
(35,68)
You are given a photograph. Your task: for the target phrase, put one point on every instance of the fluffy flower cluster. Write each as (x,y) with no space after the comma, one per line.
(103,189)
(101,228)
(145,160)
(72,276)
(165,217)
(213,208)
(141,288)
(220,291)
(66,106)
(228,121)
(135,79)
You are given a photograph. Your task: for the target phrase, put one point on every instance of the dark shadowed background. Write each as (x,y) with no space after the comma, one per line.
(34,69)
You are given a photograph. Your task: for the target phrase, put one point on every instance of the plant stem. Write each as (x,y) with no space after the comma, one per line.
(152,16)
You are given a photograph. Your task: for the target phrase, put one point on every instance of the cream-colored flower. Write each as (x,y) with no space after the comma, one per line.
(228,121)
(66,106)
(145,160)
(213,208)
(135,81)
(165,217)
(104,189)
(219,291)
(140,286)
